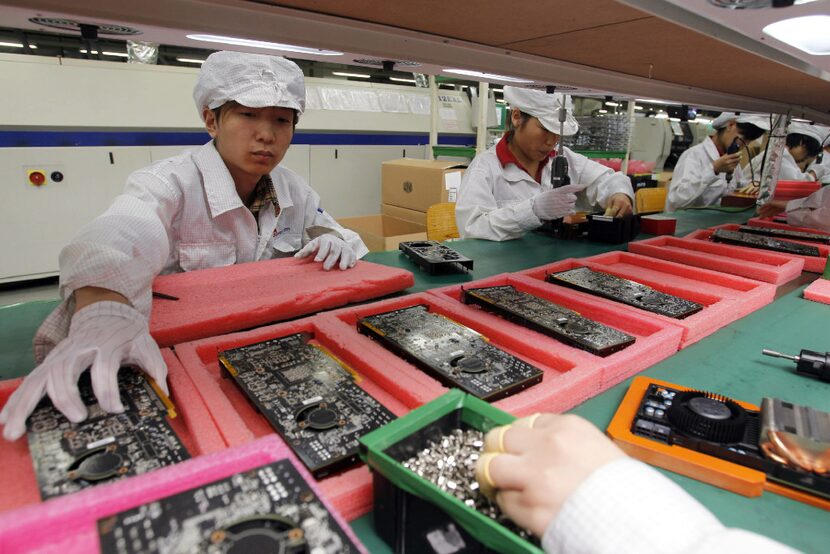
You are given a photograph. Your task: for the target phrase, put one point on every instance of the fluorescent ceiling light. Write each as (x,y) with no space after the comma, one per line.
(401,80)
(638,107)
(603,111)
(105,53)
(808,33)
(647,101)
(492,76)
(15,45)
(262,44)
(190,60)
(612,104)
(85,52)
(344,74)
(662,116)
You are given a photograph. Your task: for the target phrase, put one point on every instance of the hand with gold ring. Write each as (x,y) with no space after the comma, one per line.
(534,464)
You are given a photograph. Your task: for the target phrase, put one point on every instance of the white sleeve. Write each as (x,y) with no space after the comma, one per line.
(694,183)
(478,215)
(122,250)
(812,211)
(628,507)
(316,216)
(603,182)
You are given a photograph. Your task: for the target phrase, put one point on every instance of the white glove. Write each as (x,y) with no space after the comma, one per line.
(329,249)
(555,203)
(104,335)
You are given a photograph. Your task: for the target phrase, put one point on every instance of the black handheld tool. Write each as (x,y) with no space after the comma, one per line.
(559,172)
(814,364)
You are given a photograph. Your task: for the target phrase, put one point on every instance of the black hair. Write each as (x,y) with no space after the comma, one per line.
(510,128)
(749,131)
(812,145)
(217,112)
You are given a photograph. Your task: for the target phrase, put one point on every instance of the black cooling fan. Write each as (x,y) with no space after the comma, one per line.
(708,416)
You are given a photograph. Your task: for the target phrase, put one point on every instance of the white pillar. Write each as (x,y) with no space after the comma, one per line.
(631,105)
(481,117)
(433,110)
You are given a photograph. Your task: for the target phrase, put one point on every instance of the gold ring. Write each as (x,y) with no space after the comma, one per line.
(528,421)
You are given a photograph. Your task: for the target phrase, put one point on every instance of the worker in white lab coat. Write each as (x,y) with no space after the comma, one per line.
(707,171)
(804,143)
(824,161)
(506,191)
(227,202)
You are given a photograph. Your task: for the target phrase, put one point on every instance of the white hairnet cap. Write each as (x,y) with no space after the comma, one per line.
(759,120)
(544,107)
(253,80)
(813,131)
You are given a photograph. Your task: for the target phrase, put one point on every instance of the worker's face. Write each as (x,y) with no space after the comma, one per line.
(531,137)
(251,141)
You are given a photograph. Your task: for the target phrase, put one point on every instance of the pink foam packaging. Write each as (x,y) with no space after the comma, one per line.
(226,299)
(770,223)
(193,425)
(570,376)
(725,298)
(818,291)
(68,525)
(655,341)
(239,421)
(761,265)
(811,263)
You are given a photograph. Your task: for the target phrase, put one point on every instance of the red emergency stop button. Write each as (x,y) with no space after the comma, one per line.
(37,178)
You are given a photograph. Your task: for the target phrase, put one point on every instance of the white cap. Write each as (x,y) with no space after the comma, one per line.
(814,131)
(253,80)
(759,120)
(544,107)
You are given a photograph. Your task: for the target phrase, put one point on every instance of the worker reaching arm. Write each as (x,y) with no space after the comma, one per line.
(506,190)
(227,202)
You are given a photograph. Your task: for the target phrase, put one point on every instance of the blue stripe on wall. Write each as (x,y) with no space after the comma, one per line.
(29,139)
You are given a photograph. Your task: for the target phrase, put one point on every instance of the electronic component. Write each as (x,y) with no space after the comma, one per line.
(785,233)
(679,429)
(765,243)
(814,364)
(308,397)
(267,509)
(626,291)
(454,354)
(548,318)
(433,257)
(68,456)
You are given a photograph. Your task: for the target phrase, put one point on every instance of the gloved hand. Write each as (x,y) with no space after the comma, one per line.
(329,249)
(104,335)
(772,208)
(555,203)
(536,463)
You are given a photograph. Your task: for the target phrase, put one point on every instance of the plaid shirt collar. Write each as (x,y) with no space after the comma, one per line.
(264,193)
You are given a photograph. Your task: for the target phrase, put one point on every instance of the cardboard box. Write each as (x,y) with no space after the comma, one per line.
(383,232)
(418,184)
(404,213)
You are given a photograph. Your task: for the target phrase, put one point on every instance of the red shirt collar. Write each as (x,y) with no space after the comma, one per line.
(505,157)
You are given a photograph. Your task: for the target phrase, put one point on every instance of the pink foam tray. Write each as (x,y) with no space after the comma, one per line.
(569,375)
(239,421)
(811,263)
(761,265)
(818,291)
(770,223)
(227,299)
(654,341)
(725,298)
(193,425)
(68,525)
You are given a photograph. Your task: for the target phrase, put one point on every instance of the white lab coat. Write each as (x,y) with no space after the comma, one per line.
(822,169)
(694,181)
(494,202)
(789,170)
(812,211)
(182,214)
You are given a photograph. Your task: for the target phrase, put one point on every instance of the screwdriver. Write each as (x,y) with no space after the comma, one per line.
(814,364)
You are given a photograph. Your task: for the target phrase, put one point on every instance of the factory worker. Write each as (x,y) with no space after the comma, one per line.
(824,161)
(707,171)
(506,190)
(559,477)
(803,146)
(225,203)
(812,211)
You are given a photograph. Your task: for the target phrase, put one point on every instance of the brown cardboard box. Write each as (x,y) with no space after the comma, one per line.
(418,184)
(404,213)
(382,232)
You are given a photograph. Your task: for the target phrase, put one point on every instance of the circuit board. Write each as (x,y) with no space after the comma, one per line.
(785,234)
(454,354)
(308,397)
(625,291)
(267,509)
(433,257)
(544,316)
(105,447)
(765,243)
